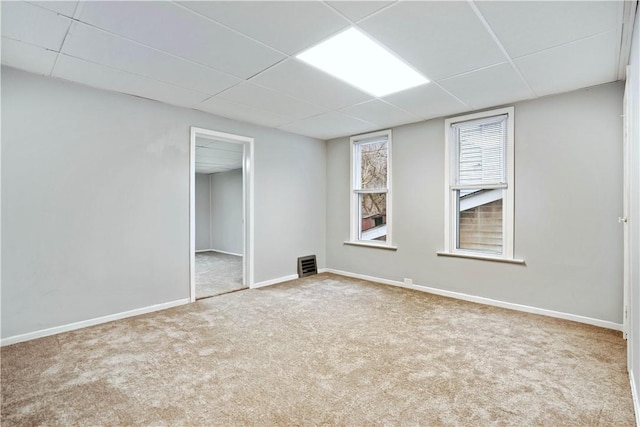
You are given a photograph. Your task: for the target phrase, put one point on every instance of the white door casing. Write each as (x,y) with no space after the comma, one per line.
(247,205)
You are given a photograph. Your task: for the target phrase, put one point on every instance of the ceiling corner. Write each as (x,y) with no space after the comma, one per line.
(629,14)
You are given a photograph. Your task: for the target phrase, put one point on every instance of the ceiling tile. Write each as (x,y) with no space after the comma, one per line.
(488,87)
(219,156)
(31,24)
(27,57)
(427,101)
(356,10)
(103,48)
(171,28)
(329,125)
(381,113)
(216,166)
(221,163)
(207,169)
(66,8)
(242,112)
(307,83)
(216,156)
(270,100)
(572,66)
(103,77)
(215,159)
(219,146)
(288,26)
(441,39)
(204,169)
(525,27)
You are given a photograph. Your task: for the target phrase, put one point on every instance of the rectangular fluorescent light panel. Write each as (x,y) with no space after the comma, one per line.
(356,59)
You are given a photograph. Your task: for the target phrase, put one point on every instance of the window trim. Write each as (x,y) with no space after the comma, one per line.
(508,230)
(354,229)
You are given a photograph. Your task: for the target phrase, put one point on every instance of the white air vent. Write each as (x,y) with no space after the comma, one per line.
(307,266)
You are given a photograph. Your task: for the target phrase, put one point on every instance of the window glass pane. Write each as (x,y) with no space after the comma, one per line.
(373,216)
(481,151)
(479,219)
(373,165)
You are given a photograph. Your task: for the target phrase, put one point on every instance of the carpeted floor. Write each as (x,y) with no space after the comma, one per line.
(217,273)
(323,350)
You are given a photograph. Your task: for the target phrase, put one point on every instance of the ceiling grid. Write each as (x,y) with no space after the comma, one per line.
(237,59)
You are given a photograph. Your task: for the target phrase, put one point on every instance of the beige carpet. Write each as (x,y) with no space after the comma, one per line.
(323,350)
(217,273)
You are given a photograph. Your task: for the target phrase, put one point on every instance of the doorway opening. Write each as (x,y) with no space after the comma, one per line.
(220,213)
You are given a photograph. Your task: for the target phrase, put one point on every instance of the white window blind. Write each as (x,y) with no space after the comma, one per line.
(480,150)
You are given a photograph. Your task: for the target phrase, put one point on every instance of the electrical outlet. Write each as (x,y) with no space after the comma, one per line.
(408,281)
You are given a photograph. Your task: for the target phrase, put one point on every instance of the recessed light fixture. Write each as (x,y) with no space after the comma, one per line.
(355,58)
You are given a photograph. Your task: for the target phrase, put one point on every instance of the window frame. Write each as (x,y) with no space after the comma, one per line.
(451,211)
(355,219)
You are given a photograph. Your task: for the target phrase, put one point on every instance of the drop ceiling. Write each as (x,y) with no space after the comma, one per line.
(214,156)
(237,59)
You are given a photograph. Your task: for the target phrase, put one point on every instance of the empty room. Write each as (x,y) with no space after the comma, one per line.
(320,213)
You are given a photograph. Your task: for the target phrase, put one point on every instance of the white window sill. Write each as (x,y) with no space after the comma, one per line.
(481,257)
(372,245)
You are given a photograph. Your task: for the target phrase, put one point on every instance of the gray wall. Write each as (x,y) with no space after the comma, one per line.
(219,211)
(226,211)
(568,196)
(203,212)
(633,80)
(95,200)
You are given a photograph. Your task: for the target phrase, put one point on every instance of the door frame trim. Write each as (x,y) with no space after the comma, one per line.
(247,205)
(626,199)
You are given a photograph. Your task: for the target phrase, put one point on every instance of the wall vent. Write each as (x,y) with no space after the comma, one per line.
(307,266)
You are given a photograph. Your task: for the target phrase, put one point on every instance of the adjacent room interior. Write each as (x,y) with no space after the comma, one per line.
(219,217)
(465,176)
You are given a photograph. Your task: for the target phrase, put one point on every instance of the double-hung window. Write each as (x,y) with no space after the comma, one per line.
(371,188)
(479,182)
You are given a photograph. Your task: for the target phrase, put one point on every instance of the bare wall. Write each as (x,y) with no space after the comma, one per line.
(95,201)
(226,211)
(568,196)
(203,212)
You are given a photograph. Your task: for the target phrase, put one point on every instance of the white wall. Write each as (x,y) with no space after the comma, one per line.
(633,80)
(95,201)
(568,196)
(203,212)
(226,211)
(218,199)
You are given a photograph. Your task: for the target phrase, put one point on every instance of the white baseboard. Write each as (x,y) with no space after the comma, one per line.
(219,251)
(274,281)
(282,279)
(472,298)
(487,301)
(635,397)
(91,322)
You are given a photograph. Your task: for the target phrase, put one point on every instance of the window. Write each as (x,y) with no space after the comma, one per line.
(479,185)
(371,189)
